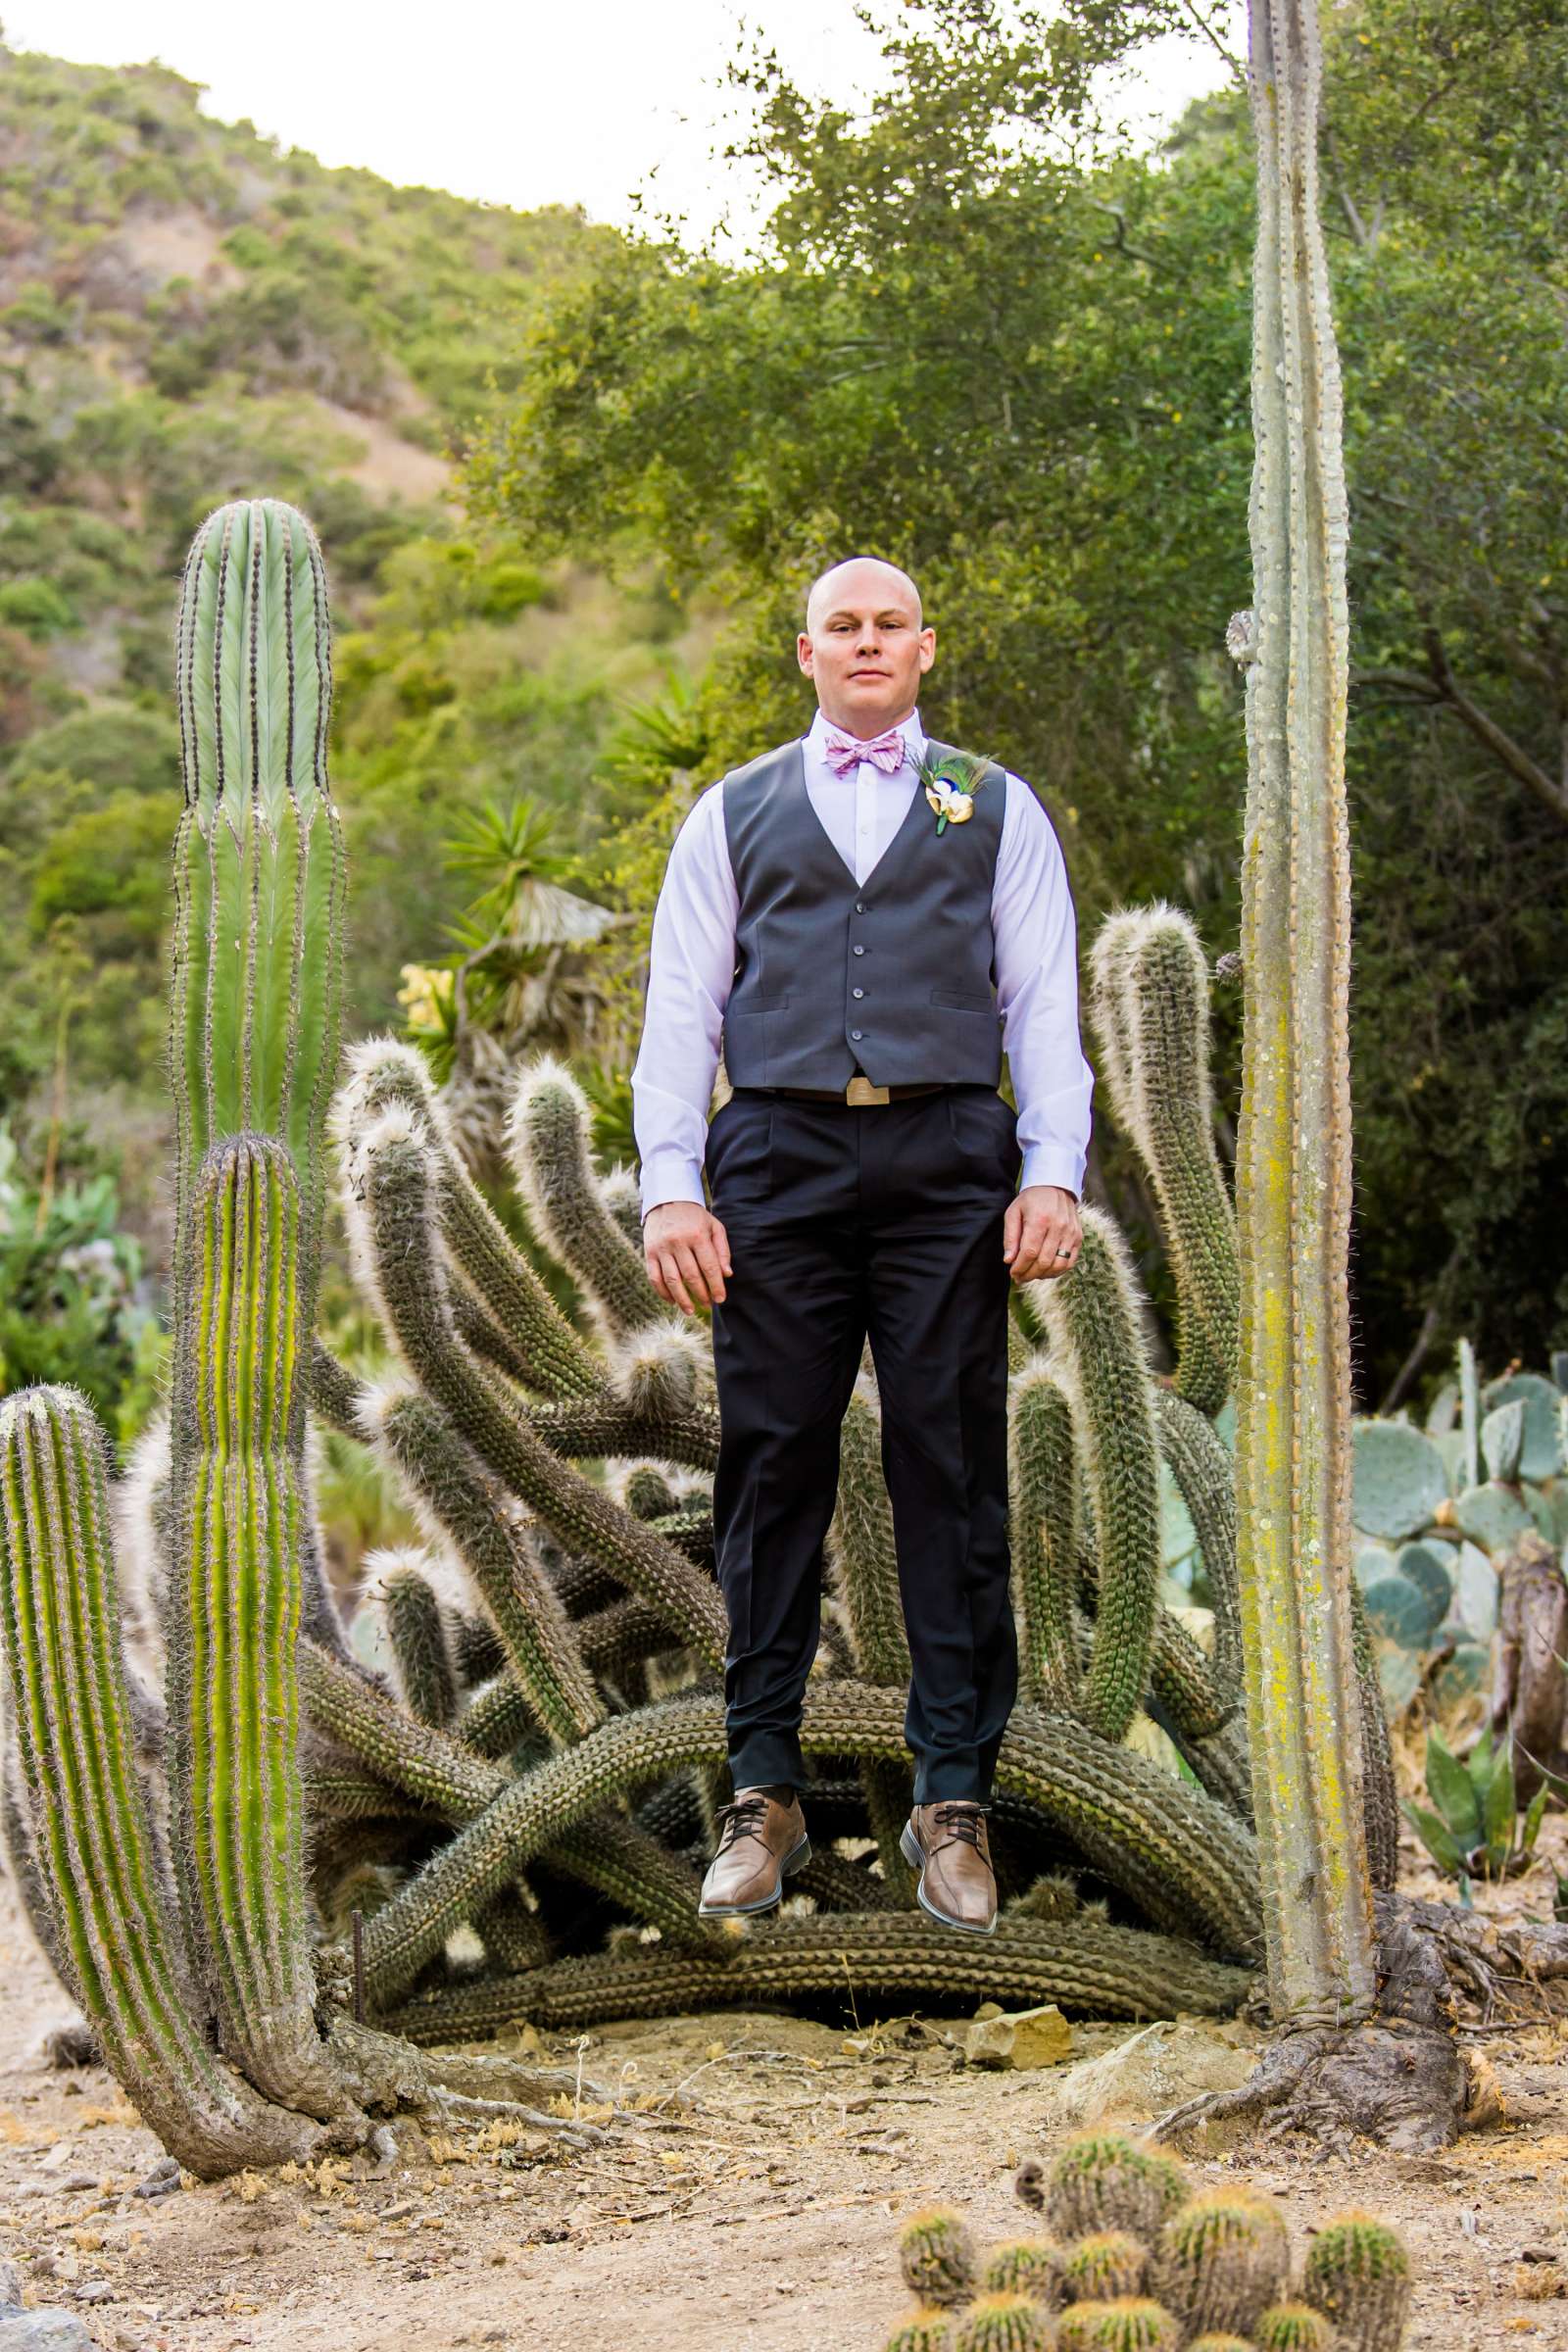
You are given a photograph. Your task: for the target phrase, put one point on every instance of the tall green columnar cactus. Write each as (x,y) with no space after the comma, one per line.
(235,1792)
(1098,1350)
(115,1935)
(259,863)
(1294,1144)
(1150,1009)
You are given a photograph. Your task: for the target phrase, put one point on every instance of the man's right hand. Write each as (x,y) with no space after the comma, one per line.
(684,1244)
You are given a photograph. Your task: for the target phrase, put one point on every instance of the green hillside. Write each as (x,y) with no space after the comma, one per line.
(188,313)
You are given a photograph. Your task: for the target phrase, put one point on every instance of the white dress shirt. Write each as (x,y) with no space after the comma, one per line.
(692,965)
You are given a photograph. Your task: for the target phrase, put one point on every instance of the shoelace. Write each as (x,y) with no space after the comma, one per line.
(742,1818)
(963,1822)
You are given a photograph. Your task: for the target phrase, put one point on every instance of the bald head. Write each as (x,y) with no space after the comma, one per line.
(856,582)
(865,646)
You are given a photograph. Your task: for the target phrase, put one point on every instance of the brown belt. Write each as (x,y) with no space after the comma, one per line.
(858,1091)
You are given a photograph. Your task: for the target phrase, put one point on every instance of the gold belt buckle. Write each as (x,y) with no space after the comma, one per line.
(861,1090)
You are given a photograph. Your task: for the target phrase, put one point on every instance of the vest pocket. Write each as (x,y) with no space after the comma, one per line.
(964,1000)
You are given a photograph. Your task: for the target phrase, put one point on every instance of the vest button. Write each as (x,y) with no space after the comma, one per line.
(856,991)
(859,906)
(859,950)
(856,1033)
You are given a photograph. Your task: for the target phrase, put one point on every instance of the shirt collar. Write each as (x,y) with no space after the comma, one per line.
(909,728)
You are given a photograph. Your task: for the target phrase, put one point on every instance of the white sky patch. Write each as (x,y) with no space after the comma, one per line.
(590,104)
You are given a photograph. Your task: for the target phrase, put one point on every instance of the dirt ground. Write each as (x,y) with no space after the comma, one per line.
(750,2196)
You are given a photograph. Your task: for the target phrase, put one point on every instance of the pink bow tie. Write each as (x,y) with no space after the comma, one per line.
(886,752)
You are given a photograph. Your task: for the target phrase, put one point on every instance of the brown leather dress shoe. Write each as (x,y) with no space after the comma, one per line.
(761,1843)
(948,1844)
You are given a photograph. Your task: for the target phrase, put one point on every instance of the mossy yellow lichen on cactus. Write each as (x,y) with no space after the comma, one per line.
(1131,2323)
(1104,2181)
(1292,2328)
(1358,2277)
(1107,2265)
(1024,2266)
(936,2255)
(1221,2260)
(1004,2323)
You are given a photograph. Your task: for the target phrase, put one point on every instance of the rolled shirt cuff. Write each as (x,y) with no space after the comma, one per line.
(1053,1163)
(670,1176)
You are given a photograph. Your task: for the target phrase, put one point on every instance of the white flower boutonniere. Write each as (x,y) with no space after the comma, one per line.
(951,786)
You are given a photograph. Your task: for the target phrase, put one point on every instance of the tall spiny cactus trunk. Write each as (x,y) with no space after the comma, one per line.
(236,1795)
(91,1844)
(259,866)
(1294,1143)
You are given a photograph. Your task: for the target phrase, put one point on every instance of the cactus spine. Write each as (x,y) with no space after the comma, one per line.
(1292,1168)
(929,2330)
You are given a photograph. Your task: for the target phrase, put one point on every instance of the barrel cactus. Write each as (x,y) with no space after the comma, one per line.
(936,2255)
(1004,2323)
(1024,2266)
(1292,2328)
(1104,2267)
(1131,2323)
(1358,2274)
(928,2331)
(1103,2181)
(1221,2260)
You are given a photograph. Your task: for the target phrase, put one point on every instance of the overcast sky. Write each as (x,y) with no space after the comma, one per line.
(585,103)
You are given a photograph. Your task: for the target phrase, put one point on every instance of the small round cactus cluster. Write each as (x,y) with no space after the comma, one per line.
(1136,2262)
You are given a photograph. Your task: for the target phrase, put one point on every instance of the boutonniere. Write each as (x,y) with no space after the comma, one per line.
(950,784)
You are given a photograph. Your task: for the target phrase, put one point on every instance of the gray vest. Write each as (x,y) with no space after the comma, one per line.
(892,976)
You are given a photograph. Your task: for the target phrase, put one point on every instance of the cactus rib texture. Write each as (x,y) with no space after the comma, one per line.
(1293,1158)
(92,1837)
(238,1506)
(1091,1970)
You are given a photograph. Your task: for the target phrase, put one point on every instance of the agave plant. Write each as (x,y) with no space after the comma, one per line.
(1473,1828)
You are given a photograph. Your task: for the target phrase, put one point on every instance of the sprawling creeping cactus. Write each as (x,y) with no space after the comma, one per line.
(551,1715)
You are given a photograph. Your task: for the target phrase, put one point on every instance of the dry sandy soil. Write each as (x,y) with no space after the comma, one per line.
(749,2197)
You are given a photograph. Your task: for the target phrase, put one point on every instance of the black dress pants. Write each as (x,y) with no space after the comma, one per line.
(844,1222)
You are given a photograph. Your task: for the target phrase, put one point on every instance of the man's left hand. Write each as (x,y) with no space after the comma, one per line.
(1041,1236)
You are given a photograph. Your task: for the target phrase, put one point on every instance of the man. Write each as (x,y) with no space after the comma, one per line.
(863,1177)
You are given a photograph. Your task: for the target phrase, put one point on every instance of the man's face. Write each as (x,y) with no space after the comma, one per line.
(864,650)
